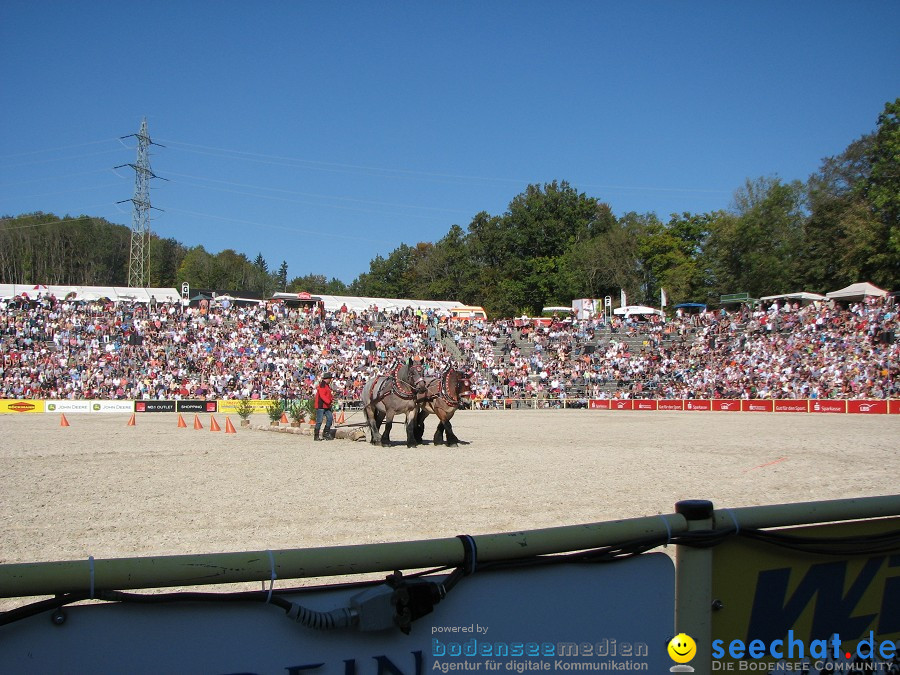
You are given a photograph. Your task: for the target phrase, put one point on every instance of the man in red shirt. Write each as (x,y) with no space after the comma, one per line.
(323,401)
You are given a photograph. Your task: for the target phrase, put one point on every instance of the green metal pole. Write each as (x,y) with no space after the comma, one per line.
(693,584)
(49,578)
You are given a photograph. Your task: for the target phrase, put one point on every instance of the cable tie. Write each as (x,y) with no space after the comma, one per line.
(91,569)
(737,526)
(470,558)
(668,530)
(274,576)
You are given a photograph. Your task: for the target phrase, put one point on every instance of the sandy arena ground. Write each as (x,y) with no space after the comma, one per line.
(102,488)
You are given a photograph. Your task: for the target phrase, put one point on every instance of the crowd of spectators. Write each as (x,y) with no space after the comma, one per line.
(63,349)
(778,351)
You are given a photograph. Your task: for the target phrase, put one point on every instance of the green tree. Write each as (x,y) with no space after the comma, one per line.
(883,192)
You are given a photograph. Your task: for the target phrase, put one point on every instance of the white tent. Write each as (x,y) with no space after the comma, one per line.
(859,291)
(116,294)
(803,296)
(631,310)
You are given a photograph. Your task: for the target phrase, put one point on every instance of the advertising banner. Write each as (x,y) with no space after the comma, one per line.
(644,404)
(670,404)
(867,407)
(791,405)
(112,406)
(19,406)
(543,618)
(726,404)
(195,406)
(154,406)
(621,404)
(757,405)
(792,607)
(818,406)
(69,406)
(231,405)
(894,406)
(599,404)
(697,404)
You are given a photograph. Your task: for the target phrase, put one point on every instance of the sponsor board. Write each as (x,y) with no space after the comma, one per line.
(820,406)
(669,404)
(791,405)
(18,406)
(195,406)
(67,406)
(599,404)
(231,405)
(621,404)
(644,404)
(757,405)
(867,407)
(770,590)
(697,404)
(726,404)
(894,406)
(154,406)
(616,618)
(112,406)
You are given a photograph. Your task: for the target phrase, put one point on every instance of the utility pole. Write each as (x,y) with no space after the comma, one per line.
(139,260)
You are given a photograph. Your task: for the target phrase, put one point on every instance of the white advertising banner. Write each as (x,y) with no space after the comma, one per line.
(573,617)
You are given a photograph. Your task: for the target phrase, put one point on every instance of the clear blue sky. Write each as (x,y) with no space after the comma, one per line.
(325,133)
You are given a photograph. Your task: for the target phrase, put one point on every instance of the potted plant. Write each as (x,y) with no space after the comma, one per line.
(297,413)
(244,410)
(275,410)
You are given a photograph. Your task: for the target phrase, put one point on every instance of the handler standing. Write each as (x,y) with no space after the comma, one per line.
(324,399)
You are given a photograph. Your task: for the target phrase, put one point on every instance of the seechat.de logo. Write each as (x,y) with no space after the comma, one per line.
(682,649)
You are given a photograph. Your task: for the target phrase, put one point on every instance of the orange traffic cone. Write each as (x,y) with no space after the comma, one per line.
(131,422)
(229,427)
(63,422)
(213,425)
(340,418)
(181,423)
(284,419)
(197,423)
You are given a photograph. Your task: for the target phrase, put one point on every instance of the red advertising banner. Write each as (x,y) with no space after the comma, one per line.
(621,404)
(818,406)
(598,404)
(761,405)
(669,404)
(726,404)
(697,404)
(894,406)
(791,405)
(867,407)
(644,404)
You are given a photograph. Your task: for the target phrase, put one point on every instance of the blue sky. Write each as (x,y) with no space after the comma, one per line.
(324,134)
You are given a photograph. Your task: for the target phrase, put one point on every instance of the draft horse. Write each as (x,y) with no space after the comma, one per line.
(445,393)
(385,396)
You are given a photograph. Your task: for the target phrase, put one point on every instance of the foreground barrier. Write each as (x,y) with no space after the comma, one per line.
(744,594)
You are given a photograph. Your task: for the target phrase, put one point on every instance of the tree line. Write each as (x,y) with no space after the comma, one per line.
(553,244)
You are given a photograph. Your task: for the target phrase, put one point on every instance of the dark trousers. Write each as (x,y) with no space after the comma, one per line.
(329,419)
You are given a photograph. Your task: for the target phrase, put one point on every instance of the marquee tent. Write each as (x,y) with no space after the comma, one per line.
(632,310)
(87,293)
(859,291)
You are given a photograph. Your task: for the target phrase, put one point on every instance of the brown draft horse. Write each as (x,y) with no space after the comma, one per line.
(385,396)
(445,393)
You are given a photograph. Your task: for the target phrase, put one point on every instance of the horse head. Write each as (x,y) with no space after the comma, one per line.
(412,374)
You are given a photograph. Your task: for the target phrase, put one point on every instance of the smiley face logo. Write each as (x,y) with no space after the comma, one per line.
(682,648)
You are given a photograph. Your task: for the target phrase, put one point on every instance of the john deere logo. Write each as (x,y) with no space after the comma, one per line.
(51,407)
(21,406)
(95,406)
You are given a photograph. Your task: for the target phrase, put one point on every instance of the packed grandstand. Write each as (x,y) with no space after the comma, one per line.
(59,348)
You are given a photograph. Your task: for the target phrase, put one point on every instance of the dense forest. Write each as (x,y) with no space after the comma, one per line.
(554,244)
